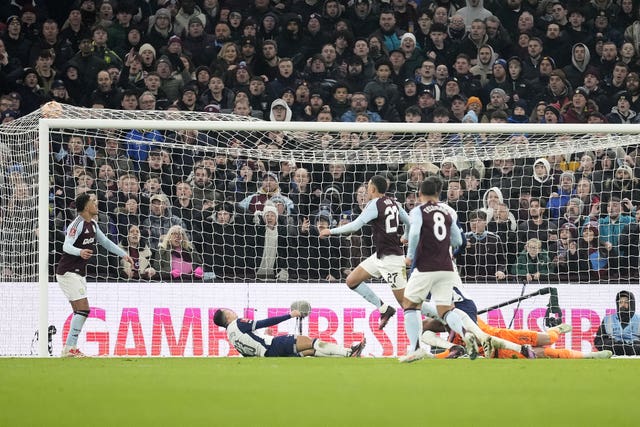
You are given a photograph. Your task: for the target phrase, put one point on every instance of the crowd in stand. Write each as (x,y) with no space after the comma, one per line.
(188,216)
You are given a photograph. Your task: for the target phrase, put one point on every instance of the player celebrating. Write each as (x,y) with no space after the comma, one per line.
(385,215)
(242,335)
(79,246)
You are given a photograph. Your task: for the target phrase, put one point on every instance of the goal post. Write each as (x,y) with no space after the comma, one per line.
(364,149)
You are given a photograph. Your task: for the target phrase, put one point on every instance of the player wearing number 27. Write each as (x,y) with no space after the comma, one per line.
(79,246)
(385,215)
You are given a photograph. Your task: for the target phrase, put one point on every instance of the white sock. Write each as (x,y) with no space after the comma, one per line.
(470,325)
(507,344)
(365,292)
(326,349)
(77,322)
(429,309)
(434,340)
(454,321)
(413,327)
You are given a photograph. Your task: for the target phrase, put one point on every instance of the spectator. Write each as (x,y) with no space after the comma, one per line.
(321,257)
(622,112)
(567,240)
(619,332)
(591,257)
(267,253)
(484,257)
(160,220)
(388,32)
(472,11)
(560,198)
(540,184)
(222,240)
(203,187)
(269,188)
(610,228)
(533,262)
(141,254)
(359,104)
(160,29)
(177,258)
(381,85)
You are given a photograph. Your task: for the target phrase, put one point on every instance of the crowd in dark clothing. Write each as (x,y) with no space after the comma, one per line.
(569,218)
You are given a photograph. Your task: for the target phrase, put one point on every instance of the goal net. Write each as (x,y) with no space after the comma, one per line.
(538,203)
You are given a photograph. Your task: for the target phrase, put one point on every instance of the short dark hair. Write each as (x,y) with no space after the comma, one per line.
(477,214)
(380,182)
(470,172)
(219,318)
(82,200)
(431,186)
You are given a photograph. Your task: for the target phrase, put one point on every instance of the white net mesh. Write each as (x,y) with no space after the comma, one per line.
(214,184)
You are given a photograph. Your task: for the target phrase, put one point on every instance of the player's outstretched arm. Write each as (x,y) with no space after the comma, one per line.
(265,323)
(369,213)
(108,244)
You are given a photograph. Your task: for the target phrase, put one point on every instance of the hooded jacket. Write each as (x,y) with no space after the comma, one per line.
(280,102)
(619,332)
(575,71)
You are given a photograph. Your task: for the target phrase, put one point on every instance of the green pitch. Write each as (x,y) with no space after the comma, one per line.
(317,392)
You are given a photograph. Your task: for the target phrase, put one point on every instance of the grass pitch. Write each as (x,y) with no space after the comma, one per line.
(317,392)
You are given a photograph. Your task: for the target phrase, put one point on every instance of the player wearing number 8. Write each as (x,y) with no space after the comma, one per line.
(385,215)
(432,235)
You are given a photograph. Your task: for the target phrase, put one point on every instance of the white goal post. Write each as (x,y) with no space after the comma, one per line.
(386,143)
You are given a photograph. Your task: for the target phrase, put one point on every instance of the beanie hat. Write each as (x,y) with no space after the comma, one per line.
(554,108)
(408,36)
(269,208)
(147,46)
(501,62)
(499,91)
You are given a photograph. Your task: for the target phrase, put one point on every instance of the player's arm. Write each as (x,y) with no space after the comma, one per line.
(456,236)
(405,220)
(369,213)
(70,238)
(108,244)
(265,323)
(414,232)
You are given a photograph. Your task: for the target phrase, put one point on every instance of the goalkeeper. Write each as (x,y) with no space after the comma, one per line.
(244,338)
(511,343)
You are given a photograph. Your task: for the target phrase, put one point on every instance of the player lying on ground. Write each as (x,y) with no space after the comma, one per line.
(242,335)
(384,214)
(510,343)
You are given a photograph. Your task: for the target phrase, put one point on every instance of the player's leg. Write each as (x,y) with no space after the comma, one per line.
(356,282)
(74,287)
(307,346)
(415,293)
(551,335)
(393,270)
(565,353)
